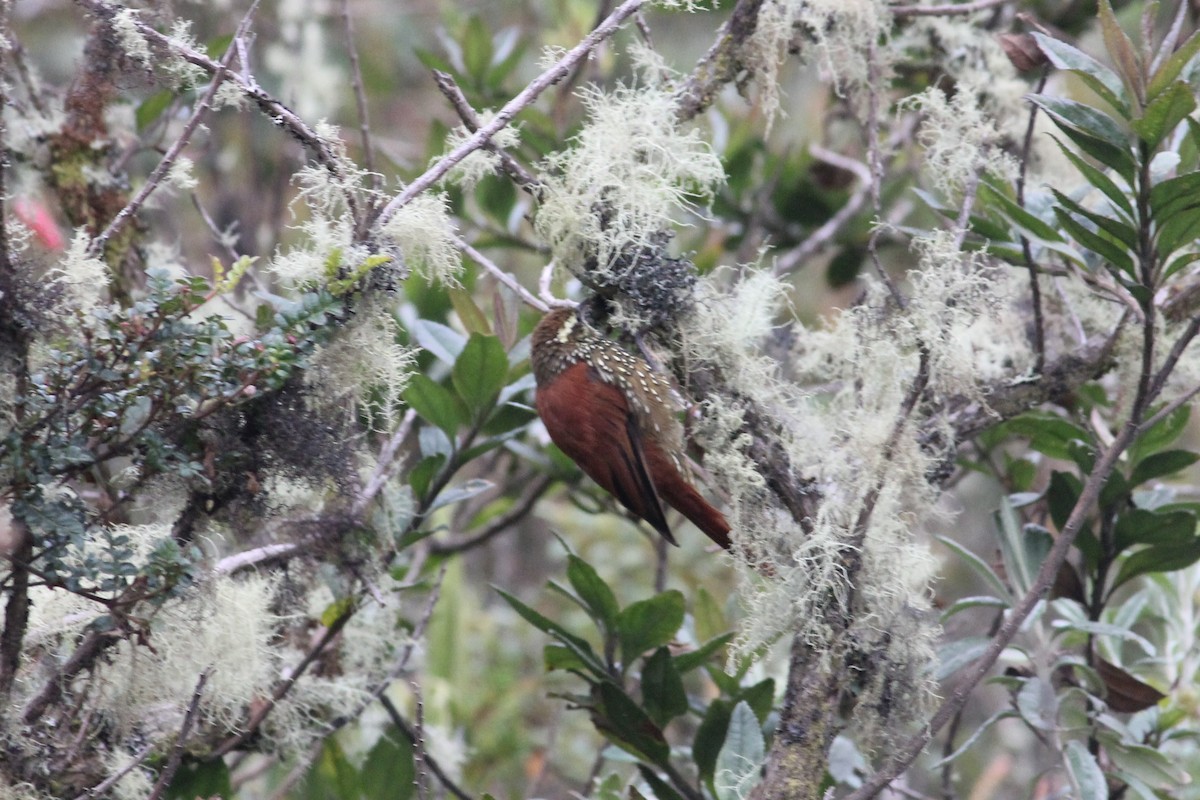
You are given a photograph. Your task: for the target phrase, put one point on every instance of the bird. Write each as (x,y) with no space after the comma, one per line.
(611,414)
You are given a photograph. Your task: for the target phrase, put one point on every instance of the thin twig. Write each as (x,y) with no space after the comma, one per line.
(185,730)
(1168,409)
(973,674)
(172,155)
(504,277)
(263,709)
(411,735)
(100,789)
(945,11)
(1176,352)
(1035,289)
(360,97)
(505,115)
(515,169)
(519,509)
(275,110)
(384,464)
(418,743)
(822,236)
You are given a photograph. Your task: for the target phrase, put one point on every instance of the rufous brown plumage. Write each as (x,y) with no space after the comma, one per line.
(613,416)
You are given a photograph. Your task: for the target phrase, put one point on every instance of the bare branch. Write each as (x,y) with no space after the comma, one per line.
(504,277)
(515,169)
(519,509)
(360,96)
(908,752)
(172,155)
(101,788)
(945,11)
(505,115)
(185,730)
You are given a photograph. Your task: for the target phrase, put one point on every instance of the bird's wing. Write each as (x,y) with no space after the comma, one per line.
(598,431)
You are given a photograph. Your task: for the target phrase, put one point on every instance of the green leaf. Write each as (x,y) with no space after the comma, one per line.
(420,476)
(1118,229)
(1160,558)
(624,723)
(152,108)
(1069,114)
(1097,179)
(596,595)
(662,688)
(975,601)
(479,372)
(1179,263)
(648,624)
(1139,526)
(1167,462)
(710,736)
(1114,156)
(661,789)
(958,653)
(689,661)
(760,697)
(1022,217)
(1180,230)
(463,491)
(443,342)
(739,763)
(557,656)
(1173,66)
(979,567)
(582,650)
(1164,113)
(389,773)
(434,403)
(1102,247)
(1174,195)
(477,48)
(200,779)
(1122,51)
(469,314)
(1047,433)
(1037,704)
(1102,80)
(1088,775)
(1163,433)
(709,617)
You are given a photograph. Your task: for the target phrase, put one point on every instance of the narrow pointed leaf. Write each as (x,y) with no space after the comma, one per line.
(1164,113)
(1102,80)
(1098,179)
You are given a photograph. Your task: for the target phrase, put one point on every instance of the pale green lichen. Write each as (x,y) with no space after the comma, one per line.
(365,369)
(82,277)
(426,235)
(482,162)
(223,628)
(311,82)
(629,174)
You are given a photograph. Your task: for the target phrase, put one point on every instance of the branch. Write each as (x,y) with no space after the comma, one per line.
(185,730)
(498,524)
(504,277)
(360,96)
(168,161)
(901,12)
(505,115)
(721,64)
(276,111)
(411,735)
(263,709)
(1016,617)
(523,177)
